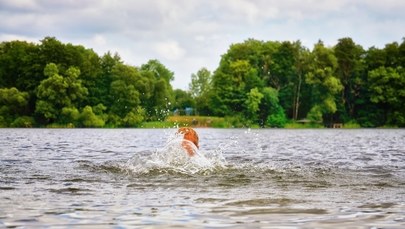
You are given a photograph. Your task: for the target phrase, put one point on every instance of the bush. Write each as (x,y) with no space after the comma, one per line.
(89,119)
(277,119)
(23,121)
(351,124)
(3,122)
(315,114)
(133,119)
(296,125)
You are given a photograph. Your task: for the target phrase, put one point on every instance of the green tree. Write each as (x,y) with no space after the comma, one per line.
(135,117)
(200,88)
(388,90)
(282,65)
(375,58)
(402,53)
(231,83)
(124,95)
(200,83)
(342,83)
(325,85)
(89,119)
(18,66)
(290,66)
(325,89)
(70,115)
(57,92)
(161,97)
(183,99)
(350,67)
(159,70)
(162,100)
(270,111)
(252,103)
(13,104)
(392,57)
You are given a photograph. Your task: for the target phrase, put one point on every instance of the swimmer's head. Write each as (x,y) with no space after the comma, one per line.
(189,134)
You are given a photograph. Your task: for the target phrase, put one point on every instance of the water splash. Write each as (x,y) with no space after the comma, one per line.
(172,158)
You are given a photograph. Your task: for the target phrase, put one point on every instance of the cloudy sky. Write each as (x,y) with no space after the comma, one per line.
(186,35)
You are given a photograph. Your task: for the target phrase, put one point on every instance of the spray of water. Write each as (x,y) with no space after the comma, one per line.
(173,158)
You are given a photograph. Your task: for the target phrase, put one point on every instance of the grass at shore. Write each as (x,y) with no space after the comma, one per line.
(295,125)
(193,121)
(217,122)
(158,124)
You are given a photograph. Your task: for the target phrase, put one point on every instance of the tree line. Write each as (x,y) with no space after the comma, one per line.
(270,83)
(263,83)
(69,85)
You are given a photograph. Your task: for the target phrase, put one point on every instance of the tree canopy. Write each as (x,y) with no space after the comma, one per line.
(264,83)
(70,85)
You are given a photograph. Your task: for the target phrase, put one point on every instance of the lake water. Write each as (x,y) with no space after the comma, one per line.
(141,178)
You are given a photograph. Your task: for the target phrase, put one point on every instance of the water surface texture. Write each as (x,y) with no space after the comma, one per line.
(240,178)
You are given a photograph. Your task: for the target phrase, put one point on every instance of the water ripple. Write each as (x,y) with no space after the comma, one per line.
(135,178)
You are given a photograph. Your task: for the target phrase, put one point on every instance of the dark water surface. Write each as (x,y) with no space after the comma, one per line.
(137,178)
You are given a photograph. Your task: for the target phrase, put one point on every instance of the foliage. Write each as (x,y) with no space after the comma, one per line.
(89,119)
(58,92)
(13,104)
(69,85)
(252,103)
(257,83)
(387,89)
(200,88)
(23,121)
(351,125)
(160,92)
(327,84)
(183,100)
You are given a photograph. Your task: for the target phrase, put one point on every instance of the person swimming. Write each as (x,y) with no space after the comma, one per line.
(189,137)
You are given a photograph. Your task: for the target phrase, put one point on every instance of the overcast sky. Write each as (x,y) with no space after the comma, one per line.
(186,35)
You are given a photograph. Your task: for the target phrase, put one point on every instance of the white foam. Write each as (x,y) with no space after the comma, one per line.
(173,158)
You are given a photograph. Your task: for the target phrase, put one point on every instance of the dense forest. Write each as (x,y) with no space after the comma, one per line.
(257,83)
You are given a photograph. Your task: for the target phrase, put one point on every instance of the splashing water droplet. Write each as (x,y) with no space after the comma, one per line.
(173,158)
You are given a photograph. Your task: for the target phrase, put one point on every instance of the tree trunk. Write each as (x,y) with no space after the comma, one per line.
(297,98)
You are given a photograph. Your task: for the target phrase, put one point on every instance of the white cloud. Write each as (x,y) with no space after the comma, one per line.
(12,37)
(170,50)
(187,35)
(99,40)
(19,5)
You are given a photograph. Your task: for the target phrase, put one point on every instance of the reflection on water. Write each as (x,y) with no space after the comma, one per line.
(239,178)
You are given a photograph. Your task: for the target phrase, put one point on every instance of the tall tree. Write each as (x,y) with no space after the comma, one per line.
(200,88)
(57,92)
(231,83)
(124,95)
(271,113)
(287,70)
(388,89)
(392,57)
(13,104)
(162,97)
(325,85)
(350,67)
(200,83)
(252,103)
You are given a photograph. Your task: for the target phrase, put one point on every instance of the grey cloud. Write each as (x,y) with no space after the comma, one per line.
(188,35)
